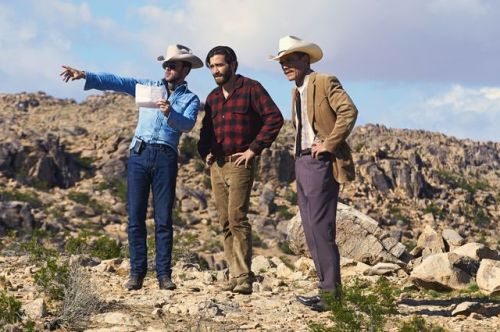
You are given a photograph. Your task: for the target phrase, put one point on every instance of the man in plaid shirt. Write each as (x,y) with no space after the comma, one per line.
(240,121)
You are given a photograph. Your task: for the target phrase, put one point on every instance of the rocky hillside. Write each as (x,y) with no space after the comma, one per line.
(62,182)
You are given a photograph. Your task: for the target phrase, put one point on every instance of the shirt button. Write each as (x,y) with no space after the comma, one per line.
(223,116)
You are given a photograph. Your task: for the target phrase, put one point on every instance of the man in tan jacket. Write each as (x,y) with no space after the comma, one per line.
(323,115)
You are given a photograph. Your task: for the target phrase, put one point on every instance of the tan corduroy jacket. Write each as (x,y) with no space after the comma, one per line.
(332,115)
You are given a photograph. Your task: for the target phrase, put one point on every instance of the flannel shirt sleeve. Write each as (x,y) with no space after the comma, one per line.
(272,119)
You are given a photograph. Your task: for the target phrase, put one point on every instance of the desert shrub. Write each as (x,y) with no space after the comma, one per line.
(84,199)
(16,195)
(85,162)
(284,212)
(105,248)
(477,214)
(207,183)
(52,278)
(187,149)
(287,262)
(80,300)
(456,180)
(418,324)
(76,245)
(291,196)
(360,308)
(285,248)
(199,166)
(52,274)
(118,187)
(183,249)
(10,309)
(257,241)
(436,211)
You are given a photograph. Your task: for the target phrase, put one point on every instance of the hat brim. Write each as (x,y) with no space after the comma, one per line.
(191,58)
(314,51)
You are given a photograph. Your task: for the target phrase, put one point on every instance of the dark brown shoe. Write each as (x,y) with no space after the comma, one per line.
(166,283)
(134,283)
(309,300)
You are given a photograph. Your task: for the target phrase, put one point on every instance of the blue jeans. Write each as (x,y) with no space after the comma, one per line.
(156,168)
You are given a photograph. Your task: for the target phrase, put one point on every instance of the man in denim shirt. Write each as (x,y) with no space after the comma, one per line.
(153,155)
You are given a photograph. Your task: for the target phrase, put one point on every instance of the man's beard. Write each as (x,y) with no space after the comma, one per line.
(223,79)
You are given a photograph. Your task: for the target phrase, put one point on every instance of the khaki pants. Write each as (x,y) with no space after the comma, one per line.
(231,186)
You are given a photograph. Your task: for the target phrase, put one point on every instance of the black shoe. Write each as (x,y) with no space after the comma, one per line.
(134,283)
(319,306)
(308,300)
(166,283)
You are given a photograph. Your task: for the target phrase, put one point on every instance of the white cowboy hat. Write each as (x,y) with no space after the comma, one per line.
(291,44)
(178,52)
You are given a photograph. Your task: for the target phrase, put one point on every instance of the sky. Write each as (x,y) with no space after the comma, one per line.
(417,64)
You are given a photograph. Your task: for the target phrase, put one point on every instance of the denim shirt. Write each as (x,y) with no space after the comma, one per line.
(153,126)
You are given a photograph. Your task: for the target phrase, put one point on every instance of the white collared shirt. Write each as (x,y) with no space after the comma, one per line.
(307,134)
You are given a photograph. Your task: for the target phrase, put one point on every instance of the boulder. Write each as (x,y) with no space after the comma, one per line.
(35,309)
(476,251)
(439,272)
(488,276)
(16,215)
(430,242)
(452,238)
(261,264)
(466,308)
(358,236)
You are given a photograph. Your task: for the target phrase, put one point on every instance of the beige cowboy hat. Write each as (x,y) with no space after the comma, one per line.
(291,44)
(178,52)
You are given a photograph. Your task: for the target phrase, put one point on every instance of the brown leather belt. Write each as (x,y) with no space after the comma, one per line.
(227,159)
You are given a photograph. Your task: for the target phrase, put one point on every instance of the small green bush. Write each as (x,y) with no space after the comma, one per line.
(418,324)
(257,241)
(187,149)
(118,187)
(285,248)
(283,212)
(78,197)
(199,166)
(436,211)
(361,308)
(76,245)
(105,248)
(16,195)
(291,196)
(52,278)
(207,182)
(10,309)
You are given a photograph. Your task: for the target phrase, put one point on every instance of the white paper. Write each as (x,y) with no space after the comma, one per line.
(148,96)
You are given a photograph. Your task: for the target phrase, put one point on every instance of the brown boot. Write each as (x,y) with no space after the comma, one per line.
(229,285)
(244,284)
(243,287)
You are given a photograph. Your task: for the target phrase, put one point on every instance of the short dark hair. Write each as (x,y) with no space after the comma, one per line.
(226,51)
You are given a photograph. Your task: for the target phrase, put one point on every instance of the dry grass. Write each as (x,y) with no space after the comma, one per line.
(81,300)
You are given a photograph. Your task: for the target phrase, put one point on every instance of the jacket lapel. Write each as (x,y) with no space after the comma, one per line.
(311,94)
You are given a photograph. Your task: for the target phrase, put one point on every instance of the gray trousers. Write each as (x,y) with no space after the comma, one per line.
(317,193)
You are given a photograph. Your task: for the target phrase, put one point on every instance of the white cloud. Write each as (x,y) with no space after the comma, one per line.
(459,111)
(461,100)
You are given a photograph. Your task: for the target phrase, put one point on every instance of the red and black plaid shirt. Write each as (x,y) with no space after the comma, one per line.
(248,118)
